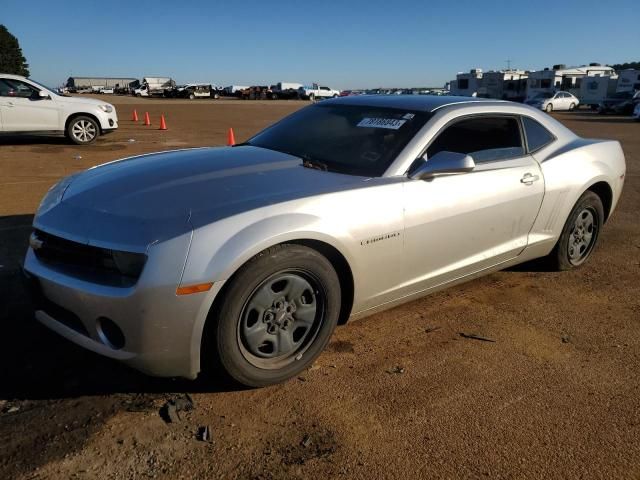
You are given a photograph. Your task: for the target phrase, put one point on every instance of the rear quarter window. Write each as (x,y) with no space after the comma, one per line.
(537,136)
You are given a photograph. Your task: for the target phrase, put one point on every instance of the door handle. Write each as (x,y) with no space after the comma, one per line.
(528,179)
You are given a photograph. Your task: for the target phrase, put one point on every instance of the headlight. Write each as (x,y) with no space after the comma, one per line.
(129,264)
(54,196)
(106,108)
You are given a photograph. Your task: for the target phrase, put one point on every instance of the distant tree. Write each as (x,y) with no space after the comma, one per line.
(11,58)
(624,66)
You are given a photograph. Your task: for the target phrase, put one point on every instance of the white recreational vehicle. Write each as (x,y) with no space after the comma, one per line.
(504,85)
(467,84)
(560,77)
(628,80)
(593,90)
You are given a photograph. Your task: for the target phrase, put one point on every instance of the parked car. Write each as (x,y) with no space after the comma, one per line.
(29,107)
(107,90)
(177,262)
(316,91)
(554,101)
(621,103)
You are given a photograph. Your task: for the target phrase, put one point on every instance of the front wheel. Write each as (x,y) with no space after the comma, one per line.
(580,233)
(83,130)
(277,315)
(312,97)
(549,108)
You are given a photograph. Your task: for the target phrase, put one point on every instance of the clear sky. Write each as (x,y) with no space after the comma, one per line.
(344,44)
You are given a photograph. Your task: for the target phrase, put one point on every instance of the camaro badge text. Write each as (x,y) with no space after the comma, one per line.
(379,238)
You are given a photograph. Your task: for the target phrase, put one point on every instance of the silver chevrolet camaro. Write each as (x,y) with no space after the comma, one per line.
(242,260)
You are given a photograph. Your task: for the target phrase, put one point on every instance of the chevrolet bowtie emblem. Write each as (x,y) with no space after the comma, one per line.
(35,242)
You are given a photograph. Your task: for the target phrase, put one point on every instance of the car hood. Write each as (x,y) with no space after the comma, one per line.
(131,203)
(81,100)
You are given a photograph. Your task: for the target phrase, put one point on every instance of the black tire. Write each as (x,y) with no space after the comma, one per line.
(239,324)
(561,257)
(312,97)
(572,107)
(549,107)
(83,130)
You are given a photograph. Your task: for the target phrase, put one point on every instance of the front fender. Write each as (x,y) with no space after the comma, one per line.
(218,250)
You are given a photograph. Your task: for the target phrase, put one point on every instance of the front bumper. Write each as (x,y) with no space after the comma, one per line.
(161,330)
(108,121)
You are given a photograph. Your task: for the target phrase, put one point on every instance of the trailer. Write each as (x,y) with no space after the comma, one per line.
(559,77)
(628,80)
(594,90)
(285,90)
(467,84)
(151,86)
(504,85)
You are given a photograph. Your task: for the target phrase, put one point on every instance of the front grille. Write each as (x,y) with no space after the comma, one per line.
(96,264)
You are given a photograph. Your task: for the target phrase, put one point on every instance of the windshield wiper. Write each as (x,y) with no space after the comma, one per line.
(316,164)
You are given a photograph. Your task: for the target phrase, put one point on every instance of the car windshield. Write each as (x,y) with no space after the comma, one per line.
(52,90)
(356,140)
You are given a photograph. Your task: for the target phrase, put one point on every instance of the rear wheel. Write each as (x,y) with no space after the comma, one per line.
(580,233)
(276,317)
(572,106)
(83,130)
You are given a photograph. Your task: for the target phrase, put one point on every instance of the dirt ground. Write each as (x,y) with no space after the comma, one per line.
(397,395)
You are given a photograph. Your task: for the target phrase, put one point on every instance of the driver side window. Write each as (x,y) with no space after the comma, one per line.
(485,138)
(16,88)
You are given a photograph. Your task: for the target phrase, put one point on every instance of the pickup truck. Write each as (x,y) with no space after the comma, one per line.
(316,91)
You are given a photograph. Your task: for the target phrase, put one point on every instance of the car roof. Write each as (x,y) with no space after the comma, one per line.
(12,76)
(426,103)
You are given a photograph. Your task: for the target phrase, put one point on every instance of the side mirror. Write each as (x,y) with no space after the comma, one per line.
(43,94)
(443,163)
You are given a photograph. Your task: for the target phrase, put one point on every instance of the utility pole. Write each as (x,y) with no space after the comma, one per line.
(508,63)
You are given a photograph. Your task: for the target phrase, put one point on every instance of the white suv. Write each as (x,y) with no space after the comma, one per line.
(28,107)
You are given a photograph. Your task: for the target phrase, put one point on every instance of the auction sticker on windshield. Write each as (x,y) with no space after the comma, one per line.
(390,123)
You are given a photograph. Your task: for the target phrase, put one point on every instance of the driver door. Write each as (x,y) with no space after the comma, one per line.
(23,110)
(459,224)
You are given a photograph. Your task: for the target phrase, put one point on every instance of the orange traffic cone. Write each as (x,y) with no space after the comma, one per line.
(135,116)
(231,139)
(163,125)
(147,121)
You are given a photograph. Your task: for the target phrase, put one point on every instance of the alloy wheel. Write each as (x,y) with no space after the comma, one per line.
(84,131)
(583,236)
